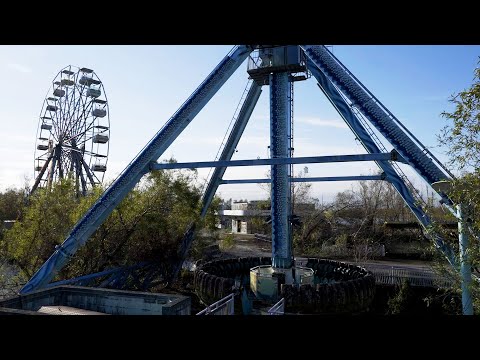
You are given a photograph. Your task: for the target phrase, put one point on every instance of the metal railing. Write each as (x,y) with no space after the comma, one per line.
(223,306)
(278,308)
(395,276)
(255,61)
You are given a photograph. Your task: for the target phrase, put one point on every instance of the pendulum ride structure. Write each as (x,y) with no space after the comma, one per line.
(321,282)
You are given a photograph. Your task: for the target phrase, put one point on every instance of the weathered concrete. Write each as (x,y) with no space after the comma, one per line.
(10,311)
(114,302)
(67,310)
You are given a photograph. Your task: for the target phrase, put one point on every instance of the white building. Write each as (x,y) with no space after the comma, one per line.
(240,215)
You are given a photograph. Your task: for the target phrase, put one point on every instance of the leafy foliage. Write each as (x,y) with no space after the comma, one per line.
(146,226)
(12,203)
(402,300)
(461,136)
(227,242)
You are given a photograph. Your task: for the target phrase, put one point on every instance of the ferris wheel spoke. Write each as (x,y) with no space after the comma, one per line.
(79,101)
(86,139)
(55,123)
(84,114)
(59,117)
(77,130)
(68,103)
(65,106)
(60,112)
(78,151)
(73,137)
(71,86)
(71,121)
(55,127)
(89,129)
(75,125)
(72,100)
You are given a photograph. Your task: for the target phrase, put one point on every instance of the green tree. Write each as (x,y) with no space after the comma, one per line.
(146,226)
(461,137)
(402,302)
(47,220)
(12,203)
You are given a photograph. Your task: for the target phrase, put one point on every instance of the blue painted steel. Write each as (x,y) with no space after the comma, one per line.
(340,178)
(183,249)
(312,179)
(280,92)
(420,145)
(244,115)
(115,274)
(231,144)
(321,57)
(137,168)
(245,181)
(83,278)
(277,161)
(465,267)
(391,175)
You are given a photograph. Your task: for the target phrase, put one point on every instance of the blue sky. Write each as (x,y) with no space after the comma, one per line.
(146,84)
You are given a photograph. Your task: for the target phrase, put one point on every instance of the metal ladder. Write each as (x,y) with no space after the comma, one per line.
(291,149)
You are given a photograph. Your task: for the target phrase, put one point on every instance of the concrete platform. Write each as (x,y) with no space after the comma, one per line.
(85,300)
(67,310)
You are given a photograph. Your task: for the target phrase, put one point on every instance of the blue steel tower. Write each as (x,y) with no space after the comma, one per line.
(279,67)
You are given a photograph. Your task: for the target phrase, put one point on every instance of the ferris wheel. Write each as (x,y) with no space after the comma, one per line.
(73,131)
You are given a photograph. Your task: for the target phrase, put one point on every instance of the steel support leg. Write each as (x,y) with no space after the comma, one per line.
(391,175)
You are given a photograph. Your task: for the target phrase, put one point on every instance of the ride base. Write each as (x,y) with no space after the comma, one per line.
(266,280)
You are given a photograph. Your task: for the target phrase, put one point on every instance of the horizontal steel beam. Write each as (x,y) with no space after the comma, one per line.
(312,179)
(245,181)
(279,161)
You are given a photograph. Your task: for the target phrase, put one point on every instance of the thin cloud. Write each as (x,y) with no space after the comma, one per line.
(21,68)
(321,122)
